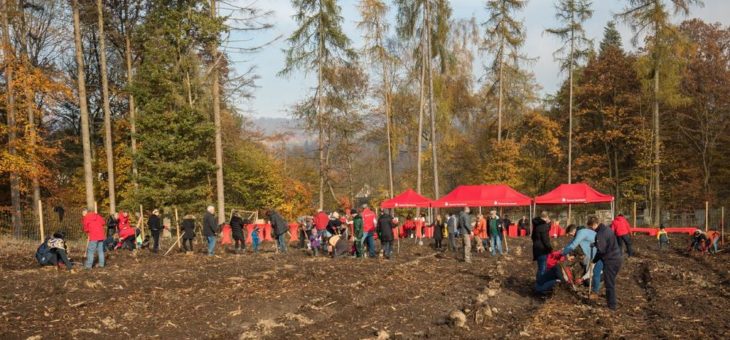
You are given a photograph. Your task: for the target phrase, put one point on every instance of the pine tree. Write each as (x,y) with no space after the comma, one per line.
(318,41)
(653,18)
(174,130)
(374,23)
(571,13)
(505,35)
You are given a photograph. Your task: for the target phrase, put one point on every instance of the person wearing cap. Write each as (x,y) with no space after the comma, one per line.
(94,229)
(210,228)
(155,225)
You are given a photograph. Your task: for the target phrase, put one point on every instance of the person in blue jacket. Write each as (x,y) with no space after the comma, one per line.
(585,239)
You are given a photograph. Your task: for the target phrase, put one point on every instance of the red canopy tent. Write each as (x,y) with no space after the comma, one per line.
(491,195)
(576,193)
(407,199)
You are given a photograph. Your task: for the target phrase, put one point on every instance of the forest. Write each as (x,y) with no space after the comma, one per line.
(122,103)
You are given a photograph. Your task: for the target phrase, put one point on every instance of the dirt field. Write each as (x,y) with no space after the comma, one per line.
(661,295)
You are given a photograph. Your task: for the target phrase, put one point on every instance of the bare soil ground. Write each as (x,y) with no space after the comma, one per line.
(661,295)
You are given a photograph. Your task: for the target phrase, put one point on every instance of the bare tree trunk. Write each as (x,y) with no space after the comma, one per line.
(501,86)
(657,146)
(215,79)
(386,103)
(108,147)
(9,60)
(434,155)
(320,112)
(83,108)
(570,116)
(420,115)
(32,133)
(132,109)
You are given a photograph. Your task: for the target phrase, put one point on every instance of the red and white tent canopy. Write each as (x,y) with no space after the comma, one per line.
(491,195)
(576,193)
(407,199)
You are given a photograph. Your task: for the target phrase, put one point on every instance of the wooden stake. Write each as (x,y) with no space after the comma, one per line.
(96,207)
(173,246)
(633,214)
(40,220)
(177,222)
(707,215)
(140,224)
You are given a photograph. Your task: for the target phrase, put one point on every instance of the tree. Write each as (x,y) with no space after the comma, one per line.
(108,148)
(706,80)
(610,127)
(317,42)
(432,35)
(504,36)
(83,107)
(215,91)
(571,13)
(652,17)
(9,61)
(174,129)
(375,25)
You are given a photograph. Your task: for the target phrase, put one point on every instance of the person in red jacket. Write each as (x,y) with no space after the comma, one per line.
(94,229)
(368,229)
(622,229)
(321,220)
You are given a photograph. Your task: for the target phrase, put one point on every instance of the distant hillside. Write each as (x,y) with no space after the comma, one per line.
(271,126)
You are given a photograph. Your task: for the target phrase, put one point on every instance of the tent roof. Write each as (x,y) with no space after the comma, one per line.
(576,193)
(407,199)
(491,195)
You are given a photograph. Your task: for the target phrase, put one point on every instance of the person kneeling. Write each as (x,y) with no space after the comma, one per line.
(53,251)
(559,269)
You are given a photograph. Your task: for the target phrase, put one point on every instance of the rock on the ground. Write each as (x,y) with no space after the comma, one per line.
(457,318)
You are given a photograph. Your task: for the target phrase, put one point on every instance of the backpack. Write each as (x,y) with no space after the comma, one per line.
(43,253)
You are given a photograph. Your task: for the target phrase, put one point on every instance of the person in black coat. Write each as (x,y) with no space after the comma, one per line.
(384,229)
(279,227)
(188,227)
(239,237)
(541,246)
(155,225)
(438,232)
(210,229)
(608,251)
(112,223)
(523,224)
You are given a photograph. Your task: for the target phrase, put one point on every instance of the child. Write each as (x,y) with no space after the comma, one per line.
(663,237)
(255,239)
(315,242)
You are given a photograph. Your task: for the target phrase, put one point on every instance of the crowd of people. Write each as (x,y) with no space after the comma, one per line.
(593,256)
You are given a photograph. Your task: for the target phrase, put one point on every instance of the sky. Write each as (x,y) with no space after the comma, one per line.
(274,94)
